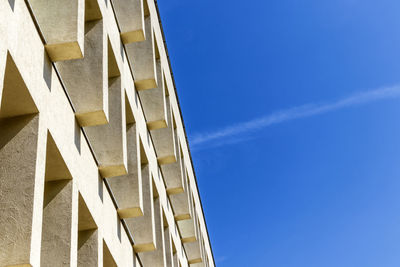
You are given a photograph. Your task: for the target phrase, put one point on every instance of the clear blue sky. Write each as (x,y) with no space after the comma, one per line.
(283,184)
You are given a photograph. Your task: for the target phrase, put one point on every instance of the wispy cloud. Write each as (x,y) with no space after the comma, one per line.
(238,131)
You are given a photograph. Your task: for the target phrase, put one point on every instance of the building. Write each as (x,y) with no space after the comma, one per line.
(95,168)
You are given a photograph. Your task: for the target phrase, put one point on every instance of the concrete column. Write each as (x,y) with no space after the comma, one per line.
(127,189)
(154,102)
(109,141)
(156,258)
(142,59)
(86,79)
(62,24)
(130,16)
(143,227)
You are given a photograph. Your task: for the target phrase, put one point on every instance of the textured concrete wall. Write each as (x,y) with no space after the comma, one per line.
(94,164)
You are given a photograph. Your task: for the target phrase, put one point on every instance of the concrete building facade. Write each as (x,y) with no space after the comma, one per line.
(95,168)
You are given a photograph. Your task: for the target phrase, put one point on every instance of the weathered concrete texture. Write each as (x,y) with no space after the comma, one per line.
(128,189)
(88,240)
(62,24)
(89,95)
(18,146)
(57,209)
(95,168)
(143,227)
(154,103)
(143,61)
(165,141)
(168,251)
(156,258)
(130,14)
(111,154)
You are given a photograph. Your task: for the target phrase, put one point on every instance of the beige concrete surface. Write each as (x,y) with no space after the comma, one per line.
(94,164)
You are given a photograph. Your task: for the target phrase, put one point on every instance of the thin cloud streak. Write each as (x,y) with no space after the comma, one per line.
(298,112)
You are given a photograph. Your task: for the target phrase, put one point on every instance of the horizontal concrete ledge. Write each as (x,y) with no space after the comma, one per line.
(175,191)
(145,84)
(91,118)
(154,125)
(64,51)
(166,160)
(112,171)
(144,247)
(132,37)
(189,239)
(182,217)
(130,212)
(194,261)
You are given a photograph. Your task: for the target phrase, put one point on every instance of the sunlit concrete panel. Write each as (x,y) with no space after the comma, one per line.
(57,209)
(156,258)
(143,227)
(127,189)
(193,252)
(154,103)
(174,176)
(165,141)
(86,79)
(109,141)
(62,24)
(142,59)
(187,230)
(130,16)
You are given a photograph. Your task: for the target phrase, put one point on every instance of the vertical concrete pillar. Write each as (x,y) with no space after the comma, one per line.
(57,209)
(142,55)
(130,16)
(62,24)
(86,79)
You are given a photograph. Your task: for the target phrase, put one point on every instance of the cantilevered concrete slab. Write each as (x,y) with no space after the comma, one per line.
(154,102)
(89,95)
(130,16)
(62,24)
(112,155)
(142,59)
(128,189)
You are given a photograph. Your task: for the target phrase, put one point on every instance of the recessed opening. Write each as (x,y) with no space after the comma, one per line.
(57,209)
(87,236)
(108,259)
(18,155)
